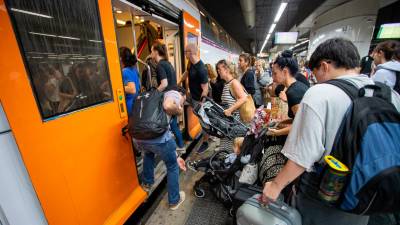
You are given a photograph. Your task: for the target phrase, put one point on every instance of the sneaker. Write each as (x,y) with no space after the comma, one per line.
(182,199)
(203,148)
(147,187)
(192,166)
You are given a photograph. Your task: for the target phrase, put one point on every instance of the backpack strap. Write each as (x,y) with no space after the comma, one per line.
(346,86)
(397,84)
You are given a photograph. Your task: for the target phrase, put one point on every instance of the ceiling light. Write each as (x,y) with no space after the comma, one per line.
(280,11)
(31,13)
(42,34)
(213,24)
(118,11)
(96,41)
(67,37)
(142,20)
(137,17)
(202,13)
(121,22)
(271,29)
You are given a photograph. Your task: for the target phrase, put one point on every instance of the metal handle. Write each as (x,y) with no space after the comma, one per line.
(148,73)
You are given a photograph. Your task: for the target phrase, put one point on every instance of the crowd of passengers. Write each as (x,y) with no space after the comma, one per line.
(315,110)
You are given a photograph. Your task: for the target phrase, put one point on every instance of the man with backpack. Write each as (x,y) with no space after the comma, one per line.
(149,127)
(356,121)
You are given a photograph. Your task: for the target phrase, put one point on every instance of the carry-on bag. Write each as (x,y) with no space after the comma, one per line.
(275,213)
(243,193)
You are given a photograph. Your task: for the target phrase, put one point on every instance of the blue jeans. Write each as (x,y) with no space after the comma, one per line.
(167,152)
(175,129)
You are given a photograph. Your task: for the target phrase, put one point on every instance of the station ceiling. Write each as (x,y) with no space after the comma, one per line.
(228,13)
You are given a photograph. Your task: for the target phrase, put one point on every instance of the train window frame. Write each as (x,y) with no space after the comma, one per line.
(29,71)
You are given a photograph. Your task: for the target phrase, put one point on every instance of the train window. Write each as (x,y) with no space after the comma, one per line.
(62,45)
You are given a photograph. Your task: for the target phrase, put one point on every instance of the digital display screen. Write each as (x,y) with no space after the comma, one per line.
(389,30)
(286,37)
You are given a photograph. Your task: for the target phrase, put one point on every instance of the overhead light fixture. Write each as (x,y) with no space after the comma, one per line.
(142,20)
(137,17)
(31,13)
(96,41)
(202,13)
(299,44)
(52,35)
(271,29)
(43,34)
(121,22)
(188,24)
(281,9)
(213,24)
(67,37)
(118,11)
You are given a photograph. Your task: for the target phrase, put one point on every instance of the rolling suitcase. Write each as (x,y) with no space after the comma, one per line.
(243,193)
(277,213)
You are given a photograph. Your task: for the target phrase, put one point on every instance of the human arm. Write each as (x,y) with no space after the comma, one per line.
(181,163)
(183,77)
(304,146)
(162,77)
(130,88)
(240,96)
(163,85)
(288,174)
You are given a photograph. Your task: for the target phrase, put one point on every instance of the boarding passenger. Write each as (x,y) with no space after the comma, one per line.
(314,129)
(283,70)
(248,78)
(387,67)
(166,78)
(198,83)
(130,77)
(233,96)
(165,147)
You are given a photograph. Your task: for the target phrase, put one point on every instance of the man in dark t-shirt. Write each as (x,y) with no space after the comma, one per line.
(166,71)
(198,77)
(198,82)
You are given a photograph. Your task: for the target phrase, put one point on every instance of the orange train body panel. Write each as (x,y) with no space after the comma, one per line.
(82,169)
(191,25)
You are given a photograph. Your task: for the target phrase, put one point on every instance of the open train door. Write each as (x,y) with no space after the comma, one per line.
(62,94)
(191,34)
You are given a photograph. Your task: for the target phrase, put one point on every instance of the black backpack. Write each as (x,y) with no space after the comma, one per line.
(368,143)
(148,119)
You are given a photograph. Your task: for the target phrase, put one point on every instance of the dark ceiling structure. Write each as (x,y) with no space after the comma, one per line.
(228,13)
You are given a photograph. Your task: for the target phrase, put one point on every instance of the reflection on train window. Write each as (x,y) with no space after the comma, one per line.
(64,53)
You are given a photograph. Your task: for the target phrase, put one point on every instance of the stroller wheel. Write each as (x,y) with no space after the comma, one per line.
(199,193)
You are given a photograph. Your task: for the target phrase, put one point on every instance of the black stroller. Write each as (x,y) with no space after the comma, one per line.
(222,175)
(215,123)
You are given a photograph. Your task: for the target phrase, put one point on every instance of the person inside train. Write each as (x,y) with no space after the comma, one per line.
(387,66)
(198,83)
(248,78)
(284,68)
(165,147)
(233,96)
(166,79)
(130,77)
(314,129)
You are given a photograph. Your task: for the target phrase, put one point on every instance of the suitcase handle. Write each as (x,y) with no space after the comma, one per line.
(279,203)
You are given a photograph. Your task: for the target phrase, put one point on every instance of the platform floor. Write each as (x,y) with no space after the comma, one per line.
(163,216)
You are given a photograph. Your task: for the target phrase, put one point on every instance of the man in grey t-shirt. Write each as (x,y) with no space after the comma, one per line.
(315,126)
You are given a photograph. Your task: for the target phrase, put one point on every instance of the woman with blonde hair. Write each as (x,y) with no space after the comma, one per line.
(233,96)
